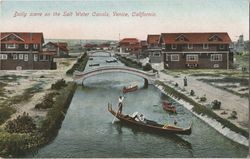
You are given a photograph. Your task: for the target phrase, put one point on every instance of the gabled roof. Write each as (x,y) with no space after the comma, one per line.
(61,45)
(171,38)
(153,39)
(23,37)
(129,40)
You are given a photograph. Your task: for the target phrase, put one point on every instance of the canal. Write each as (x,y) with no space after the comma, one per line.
(87,130)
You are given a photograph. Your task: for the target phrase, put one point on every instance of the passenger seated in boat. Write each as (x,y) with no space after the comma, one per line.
(138,117)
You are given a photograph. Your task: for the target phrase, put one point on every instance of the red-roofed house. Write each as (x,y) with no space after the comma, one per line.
(59,48)
(196,50)
(23,50)
(130,45)
(154,50)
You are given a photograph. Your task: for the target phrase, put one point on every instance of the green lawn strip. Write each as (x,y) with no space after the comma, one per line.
(16,144)
(79,65)
(130,63)
(200,109)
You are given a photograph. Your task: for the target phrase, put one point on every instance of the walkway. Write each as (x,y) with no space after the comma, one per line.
(229,101)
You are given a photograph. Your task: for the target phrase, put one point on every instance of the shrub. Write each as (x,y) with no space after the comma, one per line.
(216,104)
(192,93)
(147,67)
(233,115)
(22,124)
(47,101)
(203,99)
(59,84)
(176,85)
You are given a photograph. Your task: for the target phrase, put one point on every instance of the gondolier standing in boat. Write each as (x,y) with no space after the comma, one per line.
(120,104)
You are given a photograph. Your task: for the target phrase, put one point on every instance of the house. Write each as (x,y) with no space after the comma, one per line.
(154,50)
(90,46)
(23,51)
(196,50)
(130,45)
(58,48)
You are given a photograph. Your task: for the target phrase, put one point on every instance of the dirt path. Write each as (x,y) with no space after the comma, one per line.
(229,101)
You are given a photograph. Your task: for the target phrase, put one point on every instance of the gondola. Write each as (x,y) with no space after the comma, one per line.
(168,107)
(95,64)
(150,125)
(130,88)
(111,61)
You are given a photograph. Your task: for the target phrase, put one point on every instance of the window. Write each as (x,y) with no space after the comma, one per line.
(192,57)
(20,56)
(35,57)
(166,57)
(174,46)
(222,46)
(190,46)
(181,38)
(43,58)
(3,57)
(35,46)
(26,57)
(156,54)
(26,46)
(216,57)
(10,46)
(174,57)
(15,57)
(205,46)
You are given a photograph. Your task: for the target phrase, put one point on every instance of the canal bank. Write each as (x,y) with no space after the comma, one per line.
(18,143)
(221,125)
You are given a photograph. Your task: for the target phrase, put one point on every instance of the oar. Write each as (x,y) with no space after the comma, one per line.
(115,117)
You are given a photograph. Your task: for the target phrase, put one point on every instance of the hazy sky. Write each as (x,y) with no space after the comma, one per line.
(230,16)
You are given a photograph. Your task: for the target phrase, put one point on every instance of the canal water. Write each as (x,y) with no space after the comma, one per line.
(87,130)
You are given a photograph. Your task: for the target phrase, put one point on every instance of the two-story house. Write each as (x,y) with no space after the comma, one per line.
(58,48)
(23,50)
(196,50)
(130,45)
(154,50)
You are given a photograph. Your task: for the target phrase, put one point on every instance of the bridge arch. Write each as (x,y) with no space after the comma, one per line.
(79,77)
(91,53)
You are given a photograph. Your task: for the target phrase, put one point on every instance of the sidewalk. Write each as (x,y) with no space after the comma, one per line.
(229,101)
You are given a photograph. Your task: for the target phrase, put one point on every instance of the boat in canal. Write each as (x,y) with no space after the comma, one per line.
(149,125)
(131,88)
(111,60)
(94,64)
(168,107)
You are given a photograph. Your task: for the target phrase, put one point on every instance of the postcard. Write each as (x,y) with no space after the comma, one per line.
(124,79)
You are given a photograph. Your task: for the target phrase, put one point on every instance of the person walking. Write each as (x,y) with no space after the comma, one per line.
(185,81)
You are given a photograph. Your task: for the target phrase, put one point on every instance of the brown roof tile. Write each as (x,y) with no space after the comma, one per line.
(25,37)
(170,38)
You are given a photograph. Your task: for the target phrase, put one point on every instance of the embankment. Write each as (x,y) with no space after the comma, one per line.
(223,126)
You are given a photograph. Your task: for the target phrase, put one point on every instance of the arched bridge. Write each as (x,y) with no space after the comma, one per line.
(79,77)
(91,53)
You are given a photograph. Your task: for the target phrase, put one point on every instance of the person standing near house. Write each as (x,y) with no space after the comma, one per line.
(120,104)
(185,81)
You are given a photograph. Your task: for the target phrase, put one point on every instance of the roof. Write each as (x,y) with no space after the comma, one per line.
(153,39)
(143,43)
(61,45)
(22,37)
(129,40)
(212,37)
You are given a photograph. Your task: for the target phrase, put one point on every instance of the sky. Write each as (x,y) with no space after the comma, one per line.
(167,16)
